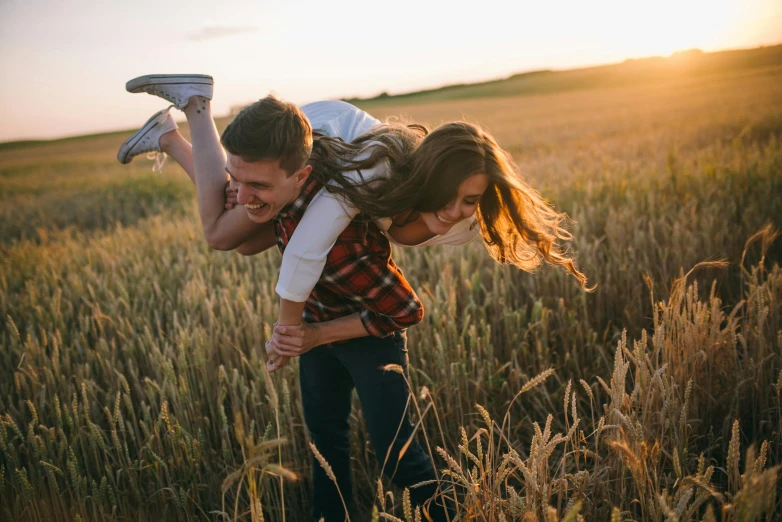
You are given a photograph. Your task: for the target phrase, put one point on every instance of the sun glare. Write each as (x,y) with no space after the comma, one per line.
(668,26)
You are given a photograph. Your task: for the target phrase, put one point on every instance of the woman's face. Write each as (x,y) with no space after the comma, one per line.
(463,206)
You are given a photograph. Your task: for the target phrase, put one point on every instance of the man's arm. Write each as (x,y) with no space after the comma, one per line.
(342,329)
(371,279)
(292,341)
(390,304)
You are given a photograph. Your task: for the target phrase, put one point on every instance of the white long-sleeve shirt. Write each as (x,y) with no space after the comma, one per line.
(327,214)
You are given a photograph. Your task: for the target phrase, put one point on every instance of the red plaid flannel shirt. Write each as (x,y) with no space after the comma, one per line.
(359,275)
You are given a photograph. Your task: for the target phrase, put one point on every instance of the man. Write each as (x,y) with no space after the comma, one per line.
(361,305)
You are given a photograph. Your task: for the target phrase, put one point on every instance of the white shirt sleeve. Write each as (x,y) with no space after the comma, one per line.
(325,219)
(305,256)
(327,215)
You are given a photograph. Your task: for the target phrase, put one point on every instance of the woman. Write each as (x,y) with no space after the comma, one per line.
(443,187)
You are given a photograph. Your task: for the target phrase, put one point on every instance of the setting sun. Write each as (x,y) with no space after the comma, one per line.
(670,25)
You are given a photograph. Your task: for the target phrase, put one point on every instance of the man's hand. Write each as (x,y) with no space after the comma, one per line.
(231,195)
(292,341)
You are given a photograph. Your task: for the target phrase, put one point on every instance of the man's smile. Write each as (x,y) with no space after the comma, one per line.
(254,209)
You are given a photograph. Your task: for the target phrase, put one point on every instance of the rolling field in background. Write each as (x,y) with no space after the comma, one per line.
(131,382)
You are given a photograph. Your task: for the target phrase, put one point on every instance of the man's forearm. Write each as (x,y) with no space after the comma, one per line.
(342,329)
(293,341)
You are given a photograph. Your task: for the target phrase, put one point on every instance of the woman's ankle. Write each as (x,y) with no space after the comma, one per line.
(168,140)
(198,106)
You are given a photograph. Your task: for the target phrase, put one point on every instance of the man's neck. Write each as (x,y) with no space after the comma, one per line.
(295,196)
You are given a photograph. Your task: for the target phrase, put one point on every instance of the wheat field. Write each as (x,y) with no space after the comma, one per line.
(132,385)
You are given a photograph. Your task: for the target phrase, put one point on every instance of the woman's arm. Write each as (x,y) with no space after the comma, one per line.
(304,259)
(325,219)
(290,315)
(416,234)
(305,255)
(409,234)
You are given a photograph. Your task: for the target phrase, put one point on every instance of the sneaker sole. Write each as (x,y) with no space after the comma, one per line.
(137,84)
(131,142)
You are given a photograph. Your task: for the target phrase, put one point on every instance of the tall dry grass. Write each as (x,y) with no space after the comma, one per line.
(131,385)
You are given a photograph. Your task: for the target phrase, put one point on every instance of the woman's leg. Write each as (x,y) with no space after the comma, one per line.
(208,154)
(180,150)
(225,229)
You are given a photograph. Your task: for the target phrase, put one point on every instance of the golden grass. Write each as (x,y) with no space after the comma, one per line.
(131,385)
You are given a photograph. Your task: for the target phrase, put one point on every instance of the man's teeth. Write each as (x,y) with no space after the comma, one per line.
(254,207)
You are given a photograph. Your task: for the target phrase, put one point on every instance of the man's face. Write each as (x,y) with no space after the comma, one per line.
(264,188)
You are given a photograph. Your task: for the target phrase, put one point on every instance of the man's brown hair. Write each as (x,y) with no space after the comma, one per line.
(270,129)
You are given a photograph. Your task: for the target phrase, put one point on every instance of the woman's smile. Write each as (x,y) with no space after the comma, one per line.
(446,221)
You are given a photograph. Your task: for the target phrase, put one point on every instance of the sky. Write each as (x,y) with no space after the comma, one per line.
(64,63)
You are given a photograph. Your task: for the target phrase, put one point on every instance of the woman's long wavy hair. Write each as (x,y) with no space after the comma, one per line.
(425,170)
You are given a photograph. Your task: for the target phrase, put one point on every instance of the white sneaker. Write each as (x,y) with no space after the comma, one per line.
(176,88)
(147,139)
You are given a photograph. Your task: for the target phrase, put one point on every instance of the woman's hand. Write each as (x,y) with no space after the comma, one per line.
(292,341)
(275,361)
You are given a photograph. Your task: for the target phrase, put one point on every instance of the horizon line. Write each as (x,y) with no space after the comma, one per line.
(388,96)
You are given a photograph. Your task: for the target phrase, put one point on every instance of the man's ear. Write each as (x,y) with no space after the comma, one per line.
(302,174)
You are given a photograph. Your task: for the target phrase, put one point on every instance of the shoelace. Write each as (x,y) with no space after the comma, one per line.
(160,160)
(159,156)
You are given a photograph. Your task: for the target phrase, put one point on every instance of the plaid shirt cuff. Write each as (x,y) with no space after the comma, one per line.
(379,325)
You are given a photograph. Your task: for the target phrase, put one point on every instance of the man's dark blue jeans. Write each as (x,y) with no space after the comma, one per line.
(328,375)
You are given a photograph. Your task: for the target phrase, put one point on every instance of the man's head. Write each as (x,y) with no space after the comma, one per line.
(268,145)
